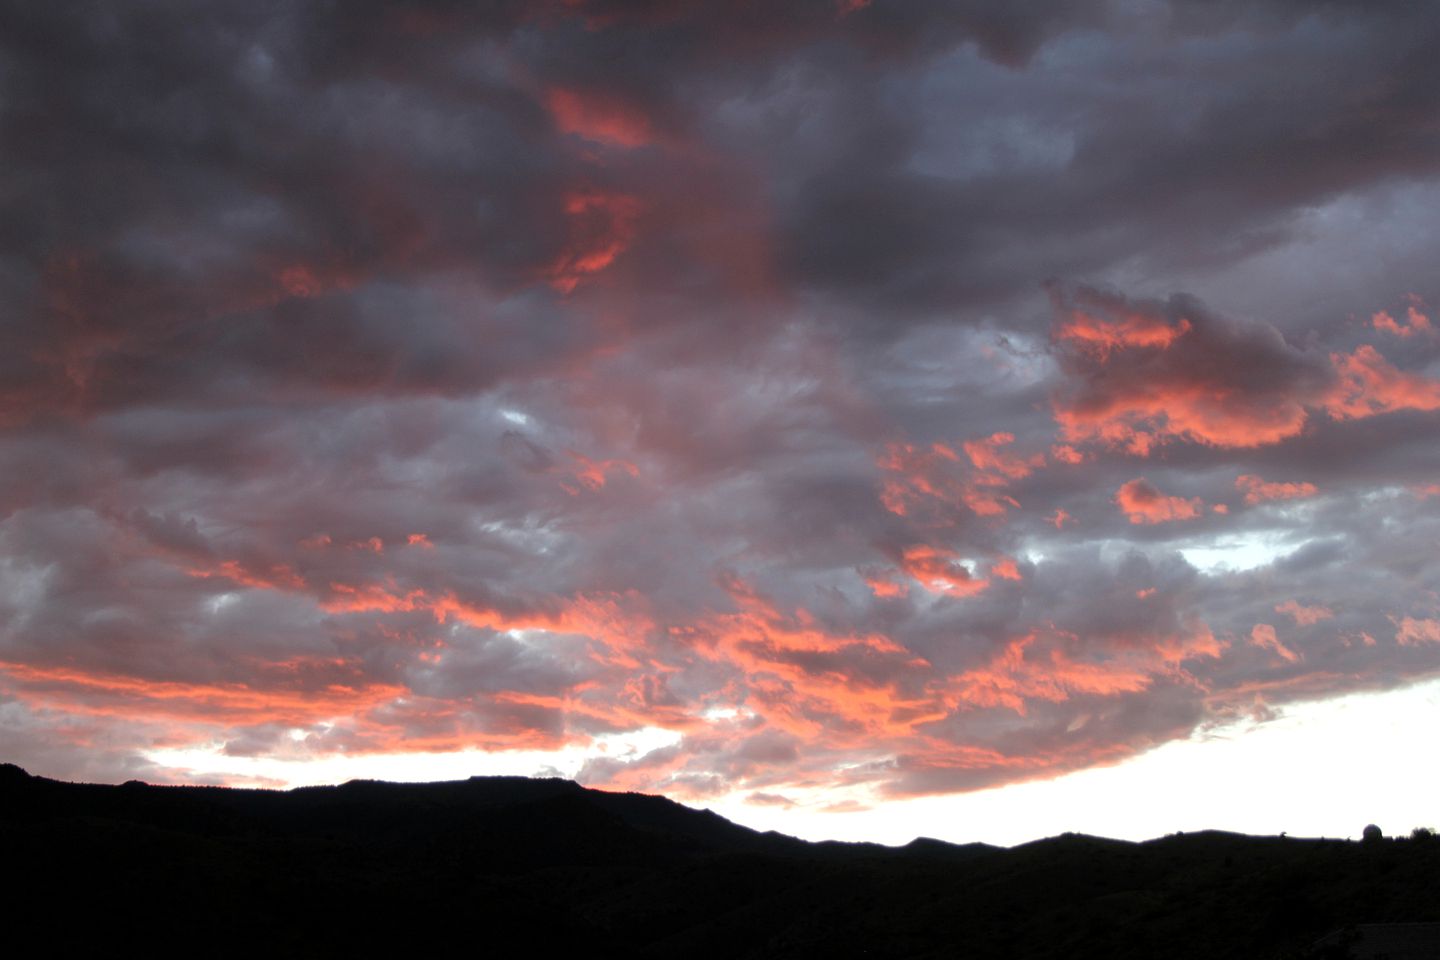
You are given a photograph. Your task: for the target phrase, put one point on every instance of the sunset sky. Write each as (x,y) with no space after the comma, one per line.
(962,417)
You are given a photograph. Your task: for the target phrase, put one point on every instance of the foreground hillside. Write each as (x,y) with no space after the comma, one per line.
(479,864)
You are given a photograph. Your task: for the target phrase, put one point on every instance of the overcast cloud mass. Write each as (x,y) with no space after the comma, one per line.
(890,398)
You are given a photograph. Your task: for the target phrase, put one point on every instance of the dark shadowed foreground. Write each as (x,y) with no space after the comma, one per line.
(487,863)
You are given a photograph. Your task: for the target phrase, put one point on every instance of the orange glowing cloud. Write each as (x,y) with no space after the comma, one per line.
(614,622)
(111,694)
(1006,569)
(1263,636)
(1132,419)
(1258,490)
(1369,385)
(1064,453)
(919,474)
(940,571)
(935,476)
(983,503)
(1138,377)
(995,465)
(1143,373)
(1196,641)
(1417,322)
(884,587)
(1305,616)
(591,474)
(1021,672)
(1123,329)
(598,117)
(812,683)
(1411,631)
(1134,414)
(278,576)
(1141,502)
(602,226)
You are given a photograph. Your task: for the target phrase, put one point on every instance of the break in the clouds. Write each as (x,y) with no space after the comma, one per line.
(876,398)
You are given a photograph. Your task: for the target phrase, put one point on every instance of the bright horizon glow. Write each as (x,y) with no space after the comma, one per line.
(213,765)
(1260,779)
(1320,769)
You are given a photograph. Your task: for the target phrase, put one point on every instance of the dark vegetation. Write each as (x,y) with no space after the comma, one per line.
(507,866)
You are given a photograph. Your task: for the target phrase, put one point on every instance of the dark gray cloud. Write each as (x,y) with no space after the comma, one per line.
(880,397)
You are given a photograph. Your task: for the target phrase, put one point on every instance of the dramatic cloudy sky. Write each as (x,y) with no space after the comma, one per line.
(801,406)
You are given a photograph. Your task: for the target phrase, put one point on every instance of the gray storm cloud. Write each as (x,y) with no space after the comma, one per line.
(913,397)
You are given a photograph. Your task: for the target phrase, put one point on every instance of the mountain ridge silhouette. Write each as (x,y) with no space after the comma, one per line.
(370,865)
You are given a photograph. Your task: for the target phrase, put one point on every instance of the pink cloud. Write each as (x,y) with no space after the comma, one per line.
(1064,453)
(997,467)
(1416,322)
(1142,372)
(599,117)
(1263,636)
(1006,569)
(1305,616)
(1258,490)
(934,479)
(1369,385)
(940,571)
(1120,329)
(1141,502)
(602,225)
(1413,631)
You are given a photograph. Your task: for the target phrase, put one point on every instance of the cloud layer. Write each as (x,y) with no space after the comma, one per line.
(874,400)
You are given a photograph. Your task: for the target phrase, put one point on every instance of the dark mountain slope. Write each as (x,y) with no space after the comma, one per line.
(507,864)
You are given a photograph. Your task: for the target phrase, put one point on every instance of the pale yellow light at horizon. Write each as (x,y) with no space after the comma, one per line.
(1323,768)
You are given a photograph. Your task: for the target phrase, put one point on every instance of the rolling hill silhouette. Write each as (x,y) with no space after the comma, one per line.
(509,865)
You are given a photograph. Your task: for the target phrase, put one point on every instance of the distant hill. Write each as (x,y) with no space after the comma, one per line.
(508,865)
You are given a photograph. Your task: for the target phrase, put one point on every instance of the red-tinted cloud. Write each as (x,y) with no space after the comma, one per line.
(995,464)
(1142,372)
(268,701)
(1118,328)
(1415,323)
(592,474)
(1141,502)
(1020,674)
(511,376)
(1258,490)
(935,480)
(1305,616)
(601,226)
(1263,635)
(940,571)
(598,116)
(1006,569)
(1370,385)
(1412,631)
